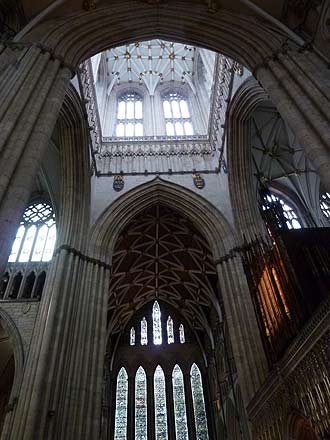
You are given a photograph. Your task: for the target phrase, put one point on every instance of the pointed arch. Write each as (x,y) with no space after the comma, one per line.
(140,404)
(198,403)
(160,404)
(179,398)
(170,330)
(156,324)
(121,405)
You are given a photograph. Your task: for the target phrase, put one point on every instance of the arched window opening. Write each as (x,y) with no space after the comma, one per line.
(129,115)
(160,404)
(132,336)
(144,331)
(181,334)
(177,115)
(325,204)
(121,405)
(272,202)
(16,285)
(35,238)
(181,426)
(28,285)
(140,405)
(157,324)
(4,285)
(170,331)
(39,285)
(199,404)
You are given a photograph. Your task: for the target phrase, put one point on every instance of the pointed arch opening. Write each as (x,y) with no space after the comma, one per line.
(160,404)
(179,400)
(198,403)
(140,404)
(121,405)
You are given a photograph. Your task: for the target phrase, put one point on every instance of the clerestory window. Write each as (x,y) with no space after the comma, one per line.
(129,115)
(36,235)
(290,215)
(325,204)
(177,115)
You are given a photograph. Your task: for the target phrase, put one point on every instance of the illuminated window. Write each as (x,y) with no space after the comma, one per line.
(181,334)
(170,332)
(290,215)
(144,331)
(325,204)
(36,236)
(177,115)
(160,404)
(129,115)
(199,404)
(132,336)
(181,427)
(121,405)
(157,324)
(140,405)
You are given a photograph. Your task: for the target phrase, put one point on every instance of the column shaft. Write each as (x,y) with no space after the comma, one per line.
(170,407)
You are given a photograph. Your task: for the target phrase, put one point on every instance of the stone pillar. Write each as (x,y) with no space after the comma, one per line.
(242,324)
(298,84)
(61,393)
(189,406)
(131,408)
(151,407)
(32,90)
(170,407)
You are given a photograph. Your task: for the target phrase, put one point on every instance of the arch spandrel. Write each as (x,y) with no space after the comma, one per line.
(205,217)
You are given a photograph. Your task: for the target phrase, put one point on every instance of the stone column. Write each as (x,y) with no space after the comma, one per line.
(32,90)
(298,84)
(170,407)
(151,407)
(61,393)
(131,408)
(242,324)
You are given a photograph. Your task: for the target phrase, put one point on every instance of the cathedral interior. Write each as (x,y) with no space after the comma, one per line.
(164,219)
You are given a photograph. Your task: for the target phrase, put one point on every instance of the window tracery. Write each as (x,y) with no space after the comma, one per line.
(140,405)
(160,404)
(291,217)
(121,405)
(35,238)
(129,115)
(199,404)
(325,204)
(181,426)
(177,115)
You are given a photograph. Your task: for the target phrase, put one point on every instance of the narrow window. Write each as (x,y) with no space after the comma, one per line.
(144,331)
(157,324)
(325,204)
(132,336)
(199,404)
(16,285)
(181,334)
(28,285)
(121,405)
(39,285)
(181,427)
(170,332)
(291,217)
(140,405)
(177,115)
(129,115)
(160,404)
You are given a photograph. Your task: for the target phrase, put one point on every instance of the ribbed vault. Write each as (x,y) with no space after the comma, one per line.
(161,255)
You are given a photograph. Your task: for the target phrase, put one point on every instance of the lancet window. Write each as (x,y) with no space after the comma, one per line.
(181,334)
(177,115)
(132,336)
(121,405)
(325,204)
(144,332)
(170,331)
(140,405)
(160,404)
(157,327)
(129,115)
(199,404)
(36,235)
(181,425)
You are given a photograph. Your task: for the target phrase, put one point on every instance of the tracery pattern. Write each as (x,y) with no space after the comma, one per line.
(160,404)
(291,216)
(121,405)
(325,204)
(129,115)
(36,236)
(157,324)
(177,115)
(199,404)
(140,405)
(181,427)
(170,332)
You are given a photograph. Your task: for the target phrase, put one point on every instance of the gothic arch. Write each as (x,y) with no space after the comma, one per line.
(244,203)
(242,37)
(18,352)
(202,214)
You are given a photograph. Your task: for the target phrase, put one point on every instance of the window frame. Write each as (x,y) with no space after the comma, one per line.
(125,121)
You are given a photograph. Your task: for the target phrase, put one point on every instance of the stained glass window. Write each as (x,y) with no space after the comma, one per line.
(36,236)
(129,115)
(157,324)
(140,405)
(325,204)
(121,405)
(144,331)
(170,332)
(181,427)
(132,336)
(291,217)
(160,404)
(199,404)
(181,334)
(177,115)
